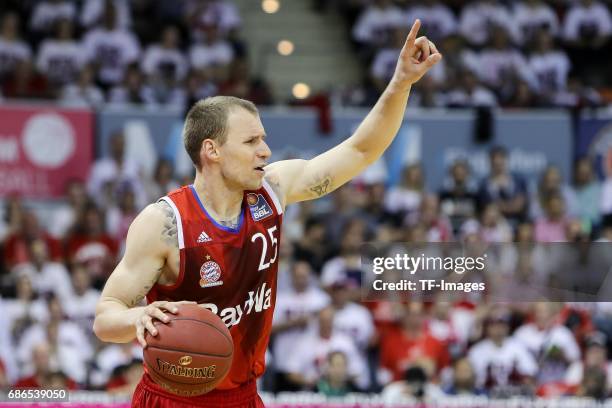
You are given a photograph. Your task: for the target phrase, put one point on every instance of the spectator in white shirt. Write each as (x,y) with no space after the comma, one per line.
(84,92)
(346,268)
(437,20)
(375,23)
(134,89)
(13,50)
(306,362)
(477,18)
(295,309)
(415,387)
(8,368)
(112,48)
(351,319)
(533,16)
(501,65)
(80,305)
(499,360)
(214,52)
(587,32)
(550,66)
(25,309)
(204,13)
(406,197)
(48,12)
(62,58)
(492,228)
(166,66)
(47,277)
(578,93)
(70,347)
(119,216)
(113,171)
(588,24)
(470,93)
(165,59)
(550,342)
(92,13)
(112,356)
(64,216)
(383,65)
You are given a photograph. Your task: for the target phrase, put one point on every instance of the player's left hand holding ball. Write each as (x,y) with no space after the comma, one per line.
(417,57)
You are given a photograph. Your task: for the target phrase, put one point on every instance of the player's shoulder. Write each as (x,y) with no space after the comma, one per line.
(281,176)
(273,186)
(153,216)
(154,229)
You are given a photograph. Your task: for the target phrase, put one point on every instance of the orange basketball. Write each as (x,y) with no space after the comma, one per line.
(191,354)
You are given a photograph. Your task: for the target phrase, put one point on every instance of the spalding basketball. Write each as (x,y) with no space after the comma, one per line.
(191,354)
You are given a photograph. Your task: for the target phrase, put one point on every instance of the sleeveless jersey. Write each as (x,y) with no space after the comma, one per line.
(232,272)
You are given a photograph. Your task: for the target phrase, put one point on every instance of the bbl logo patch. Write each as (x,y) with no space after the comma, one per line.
(210,272)
(259,207)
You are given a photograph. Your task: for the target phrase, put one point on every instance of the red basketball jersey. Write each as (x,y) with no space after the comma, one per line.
(232,272)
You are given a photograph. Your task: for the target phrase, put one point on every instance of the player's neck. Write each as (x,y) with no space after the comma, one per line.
(221,202)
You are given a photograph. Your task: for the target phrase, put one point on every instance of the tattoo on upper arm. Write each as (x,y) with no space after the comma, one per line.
(170,232)
(145,289)
(321,186)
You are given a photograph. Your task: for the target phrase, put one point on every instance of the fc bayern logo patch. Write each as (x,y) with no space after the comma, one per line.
(259,207)
(210,272)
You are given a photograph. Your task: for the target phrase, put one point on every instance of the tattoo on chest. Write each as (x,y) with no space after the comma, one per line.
(230,223)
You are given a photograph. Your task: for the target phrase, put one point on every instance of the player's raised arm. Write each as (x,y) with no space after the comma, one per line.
(119,318)
(300,180)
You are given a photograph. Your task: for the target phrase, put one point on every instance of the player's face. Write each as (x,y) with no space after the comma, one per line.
(245,152)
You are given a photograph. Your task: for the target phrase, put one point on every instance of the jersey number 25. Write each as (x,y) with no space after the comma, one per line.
(264,250)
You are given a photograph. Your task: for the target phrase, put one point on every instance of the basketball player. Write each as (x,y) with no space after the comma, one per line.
(216,242)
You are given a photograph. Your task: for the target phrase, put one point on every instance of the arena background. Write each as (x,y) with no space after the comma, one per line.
(88,84)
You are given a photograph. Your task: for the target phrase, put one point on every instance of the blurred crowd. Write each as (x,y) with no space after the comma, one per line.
(511,53)
(325,339)
(149,52)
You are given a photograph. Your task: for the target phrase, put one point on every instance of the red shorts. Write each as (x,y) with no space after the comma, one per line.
(150,395)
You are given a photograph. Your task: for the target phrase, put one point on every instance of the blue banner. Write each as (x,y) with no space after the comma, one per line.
(594,139)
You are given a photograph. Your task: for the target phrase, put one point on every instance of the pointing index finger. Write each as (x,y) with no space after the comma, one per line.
(413,34)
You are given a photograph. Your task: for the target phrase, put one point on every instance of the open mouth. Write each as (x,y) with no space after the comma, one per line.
(260,168)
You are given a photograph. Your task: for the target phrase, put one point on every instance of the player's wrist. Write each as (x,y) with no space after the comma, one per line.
(396,87)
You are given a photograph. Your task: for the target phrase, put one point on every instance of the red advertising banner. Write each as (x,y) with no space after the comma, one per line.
(42,148)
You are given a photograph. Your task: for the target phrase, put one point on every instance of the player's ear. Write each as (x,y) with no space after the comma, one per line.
(209,150)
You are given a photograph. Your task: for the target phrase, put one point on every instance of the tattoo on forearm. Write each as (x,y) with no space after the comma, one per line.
(169,234)
(322,187)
